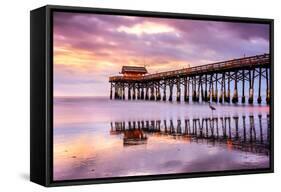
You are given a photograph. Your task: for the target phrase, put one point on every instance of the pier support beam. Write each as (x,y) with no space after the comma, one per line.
(200,90)
(158,95)
(186,98)
(156,92)
(215,94)
(178,90)
(164,91)
(119,92)
(142,93)
(206,88)
(139,93)
(152,96)
(146,92)
(267,87)
(222,88)
(123,91)
(111,90)
(251,87)
(185,89)
(134,92)
(116,91)
(259,93)
(235,93)
(171,91)
(129,92)
(243,86)
(210,88)
(188,82)
(193,89)
(227,97)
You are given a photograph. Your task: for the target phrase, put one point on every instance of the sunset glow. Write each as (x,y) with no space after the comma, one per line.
(88,48)
(146,28)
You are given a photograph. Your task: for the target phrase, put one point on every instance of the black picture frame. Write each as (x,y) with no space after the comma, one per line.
(41,94)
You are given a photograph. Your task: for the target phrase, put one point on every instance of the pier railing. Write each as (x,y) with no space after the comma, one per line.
(241,63)
(211,82)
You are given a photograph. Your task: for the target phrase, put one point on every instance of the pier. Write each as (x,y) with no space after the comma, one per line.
(215,82)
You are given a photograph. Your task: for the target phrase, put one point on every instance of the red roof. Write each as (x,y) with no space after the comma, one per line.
(133,69)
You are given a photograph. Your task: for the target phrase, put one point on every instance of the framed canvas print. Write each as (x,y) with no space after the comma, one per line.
(122,95)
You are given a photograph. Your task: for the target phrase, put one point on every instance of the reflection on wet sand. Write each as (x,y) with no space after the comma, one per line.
(239,133)
(134,137)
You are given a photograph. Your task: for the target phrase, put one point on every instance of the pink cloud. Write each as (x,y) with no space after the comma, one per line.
(90,47)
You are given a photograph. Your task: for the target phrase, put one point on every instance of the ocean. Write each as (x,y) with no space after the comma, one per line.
(95,137)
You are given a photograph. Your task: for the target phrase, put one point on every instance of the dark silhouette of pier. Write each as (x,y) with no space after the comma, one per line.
(200,83)
(244,133)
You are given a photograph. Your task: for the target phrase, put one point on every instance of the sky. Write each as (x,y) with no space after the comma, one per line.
(88,48)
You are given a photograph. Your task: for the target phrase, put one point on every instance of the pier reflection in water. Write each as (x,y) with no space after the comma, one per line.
(244,133)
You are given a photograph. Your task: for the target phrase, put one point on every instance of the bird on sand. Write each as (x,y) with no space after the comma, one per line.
(212,108)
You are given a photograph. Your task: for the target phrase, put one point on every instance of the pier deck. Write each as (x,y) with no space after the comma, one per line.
(203,79)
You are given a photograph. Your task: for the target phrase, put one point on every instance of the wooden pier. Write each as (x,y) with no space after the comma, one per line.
(199,84)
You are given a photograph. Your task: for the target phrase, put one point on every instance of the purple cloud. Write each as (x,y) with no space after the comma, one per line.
(122,40)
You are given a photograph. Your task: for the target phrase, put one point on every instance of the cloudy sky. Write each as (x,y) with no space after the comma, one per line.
(88,48)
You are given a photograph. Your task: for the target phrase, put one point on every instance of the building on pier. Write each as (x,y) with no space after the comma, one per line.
(133,71)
